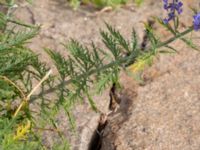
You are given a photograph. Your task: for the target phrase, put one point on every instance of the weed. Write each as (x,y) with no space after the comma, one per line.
(87,70)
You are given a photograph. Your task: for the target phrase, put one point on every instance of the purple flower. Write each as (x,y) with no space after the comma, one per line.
(172,8)
(196,22)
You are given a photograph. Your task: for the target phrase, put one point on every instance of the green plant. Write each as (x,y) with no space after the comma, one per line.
(19,67)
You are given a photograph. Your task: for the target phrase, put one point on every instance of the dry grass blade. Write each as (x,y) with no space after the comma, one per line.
(32,91)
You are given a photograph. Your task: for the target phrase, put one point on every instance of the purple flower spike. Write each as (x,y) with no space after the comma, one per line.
(172,8)
(196,22)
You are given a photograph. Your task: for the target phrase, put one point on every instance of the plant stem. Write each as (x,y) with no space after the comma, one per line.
(113,63)
(190,29)
(22,24)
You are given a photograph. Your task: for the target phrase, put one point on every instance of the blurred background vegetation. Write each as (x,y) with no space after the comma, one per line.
(102,3)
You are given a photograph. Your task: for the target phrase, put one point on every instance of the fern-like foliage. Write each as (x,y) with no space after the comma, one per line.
(88,68)
(19,66)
